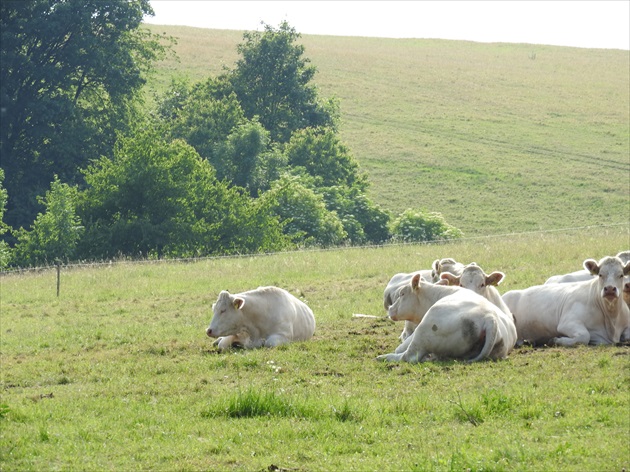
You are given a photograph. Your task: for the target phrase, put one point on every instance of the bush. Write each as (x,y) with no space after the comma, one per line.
(55,233)
(364,221)
(159,198)
(303,213)
(418,225)
(5,251)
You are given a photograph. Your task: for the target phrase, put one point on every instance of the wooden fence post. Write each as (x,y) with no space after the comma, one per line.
(58,264)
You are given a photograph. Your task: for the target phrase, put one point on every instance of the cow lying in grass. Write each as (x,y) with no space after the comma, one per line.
(566,314)
(266,316)
(474,278)
(454,323)
(429,275)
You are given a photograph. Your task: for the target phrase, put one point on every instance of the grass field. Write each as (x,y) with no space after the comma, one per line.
(496,137)
(117,373)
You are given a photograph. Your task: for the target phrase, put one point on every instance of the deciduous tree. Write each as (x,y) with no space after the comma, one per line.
(272,81)
(159,197)
(55,233)
(71,70)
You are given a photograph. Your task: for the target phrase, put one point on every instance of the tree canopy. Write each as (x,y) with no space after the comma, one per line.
(273,81)
(71,72)
(158,197)
(249,161)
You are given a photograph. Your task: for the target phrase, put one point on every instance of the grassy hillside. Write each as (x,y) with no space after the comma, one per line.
(118,374)
(497,137)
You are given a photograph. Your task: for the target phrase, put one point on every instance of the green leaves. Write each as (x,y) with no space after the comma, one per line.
(71,71)
(414,225)
(159,197)
(272,79)
(55,233)
(303,213)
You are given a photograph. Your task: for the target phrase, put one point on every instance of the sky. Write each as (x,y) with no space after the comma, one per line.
(587,23)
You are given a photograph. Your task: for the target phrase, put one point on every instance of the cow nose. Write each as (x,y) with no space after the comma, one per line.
(626,287)
(209,332)
(610,291)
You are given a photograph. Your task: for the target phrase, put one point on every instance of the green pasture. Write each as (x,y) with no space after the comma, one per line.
(496,137)
(118,374)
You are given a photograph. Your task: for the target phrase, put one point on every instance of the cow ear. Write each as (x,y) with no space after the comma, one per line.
(238,303)
(449,279)
(442,282)
(591,266)
(495,278)
(415,282)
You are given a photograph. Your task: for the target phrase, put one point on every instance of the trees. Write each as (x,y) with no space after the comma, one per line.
(247,161)
(272,81)
(322,154)
(157,197)
(55,232)
(71,71)
(5,253)
(303,213)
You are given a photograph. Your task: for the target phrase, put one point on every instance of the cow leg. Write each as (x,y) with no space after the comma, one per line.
(393,357)
(225,342)
(403,347)
(575,333)
(408,330)
(411,356)
(276,340)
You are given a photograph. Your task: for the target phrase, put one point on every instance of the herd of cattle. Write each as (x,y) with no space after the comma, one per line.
(453,311)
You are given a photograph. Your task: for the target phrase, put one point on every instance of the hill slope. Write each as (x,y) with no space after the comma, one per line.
(496,137)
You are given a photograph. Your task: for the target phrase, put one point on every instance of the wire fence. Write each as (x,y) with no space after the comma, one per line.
(120,261)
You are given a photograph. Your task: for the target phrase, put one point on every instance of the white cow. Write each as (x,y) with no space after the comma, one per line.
(577,276)
(446,265)
(399,280)
(266,316)
(474,278)
(453,323)
(588,312)
(581,275)
(391,293)
(429,275)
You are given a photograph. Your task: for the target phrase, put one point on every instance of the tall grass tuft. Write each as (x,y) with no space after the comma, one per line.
(255,403)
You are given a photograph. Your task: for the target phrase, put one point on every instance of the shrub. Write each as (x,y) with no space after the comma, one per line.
(303,213)
(418,225)
(55,233)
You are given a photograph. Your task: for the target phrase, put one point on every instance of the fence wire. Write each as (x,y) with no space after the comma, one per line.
(122,261)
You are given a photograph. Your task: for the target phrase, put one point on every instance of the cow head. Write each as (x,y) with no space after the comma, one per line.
(413,300)
(624,256)
(447,264)
(474,278)
(227,314)
(407,305)
(610,272)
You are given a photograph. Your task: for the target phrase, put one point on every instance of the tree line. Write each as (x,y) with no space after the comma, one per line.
(247,161)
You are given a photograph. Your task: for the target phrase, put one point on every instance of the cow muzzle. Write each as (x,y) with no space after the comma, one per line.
(610,293)
(392,313)
(209,333)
